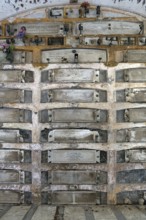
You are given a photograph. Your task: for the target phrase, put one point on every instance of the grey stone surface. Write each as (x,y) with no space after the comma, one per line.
(74,156)
(74,177)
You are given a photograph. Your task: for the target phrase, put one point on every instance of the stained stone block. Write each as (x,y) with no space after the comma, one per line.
(10,136)
(14,115)
(108,27)
(74,197)
(136,56)
(135,75)
(135,115)
(131,135)
(11,96)
(10,75)
(73,135)
(10,197)
(131,176)
(74,156)
(74,115)
(40,28)
(16,76)
(74,177)
(135,95)
(11,156)
(9,176)
(73,95)
(74,75)
(135,156)
(67,56)
(19,57)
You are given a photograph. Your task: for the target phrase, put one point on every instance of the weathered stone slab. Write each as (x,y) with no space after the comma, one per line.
(108,27)
(11,95)
(131,135)
(73,75)
(136,56)
(9,176)
(59,55)
(74,213)
(135,115)
(10,75)
(9,197)
(73,135)
(19,57)
(44,212)
(103,213)
(135,75)
(74,197)
(74,177)
(137,135)
(16,213)
(10,136)
(72,95)
(10,156)
(74,156)
(12,115)
(74,115)
(135,95)
(40,28)
(135,156)
(9,115)
(132,212)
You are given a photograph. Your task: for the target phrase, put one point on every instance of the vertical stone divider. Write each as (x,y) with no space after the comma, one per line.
(111,154)
(36,147)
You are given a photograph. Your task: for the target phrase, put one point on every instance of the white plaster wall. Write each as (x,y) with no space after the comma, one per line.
(12,7)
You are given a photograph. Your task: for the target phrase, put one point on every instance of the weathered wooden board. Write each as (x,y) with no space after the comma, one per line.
(73,135)
(135,95)
(74,177)
(135,156)
(9,136)
(74,197)
(73,75)
(135,75)
(10,156)
(74,156)
(11,95)
(9,176)
(74,115)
